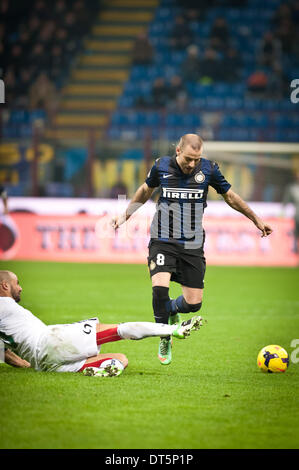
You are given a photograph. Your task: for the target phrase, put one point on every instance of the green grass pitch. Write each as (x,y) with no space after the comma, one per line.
(212,396)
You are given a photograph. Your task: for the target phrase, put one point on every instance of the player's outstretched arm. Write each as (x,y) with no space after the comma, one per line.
(13,360)
(237,203)
(142,194)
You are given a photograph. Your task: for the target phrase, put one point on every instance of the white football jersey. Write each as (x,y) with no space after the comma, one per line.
(20,329)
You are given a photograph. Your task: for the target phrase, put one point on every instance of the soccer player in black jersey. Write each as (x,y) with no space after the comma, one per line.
(177,236)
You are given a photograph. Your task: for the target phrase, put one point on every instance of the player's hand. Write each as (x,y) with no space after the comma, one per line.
(26,364)
(264,228)
(117,221)
(114,223)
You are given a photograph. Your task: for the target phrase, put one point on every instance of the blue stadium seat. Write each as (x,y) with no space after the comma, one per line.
(19,116)
(37,114)
(215,103)
(233,103)
(228,120)
(152,118)
(114,132)
(125,101)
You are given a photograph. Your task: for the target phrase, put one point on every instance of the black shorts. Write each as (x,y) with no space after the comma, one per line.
(187,267)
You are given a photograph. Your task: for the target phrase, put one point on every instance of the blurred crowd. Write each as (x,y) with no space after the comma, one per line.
(38,40)
(219,60)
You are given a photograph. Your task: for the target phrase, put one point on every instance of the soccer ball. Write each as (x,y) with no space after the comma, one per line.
(273,358)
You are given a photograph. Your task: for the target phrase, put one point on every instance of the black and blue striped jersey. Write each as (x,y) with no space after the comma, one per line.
(183,198)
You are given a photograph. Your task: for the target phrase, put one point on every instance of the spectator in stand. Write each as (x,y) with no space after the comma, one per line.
(284,25)
(16,56)
(57,62)
(278,82)
(190,69)
(33,27)
(40,9)
(142,52)
(193,15)
(177,94)
(83,15)
(270,50)
(46,35)
(283,13)
(3,52)
(73,32)
(24,40)
(61,37)
(257,83)
(181,35)
(232,65)
(10,84)
(194,7)
(295,12)
(219,35)
(2,31)
(175,88)
(25,79)
(59,9)
(39,58)
(43,95)
(286,33)
(159,93)
(210,67)
(11,11)
(72,25)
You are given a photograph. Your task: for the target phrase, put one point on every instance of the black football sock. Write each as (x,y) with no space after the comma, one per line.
(161,304)
(180,305)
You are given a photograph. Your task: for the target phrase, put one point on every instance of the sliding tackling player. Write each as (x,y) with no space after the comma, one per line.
(71,347)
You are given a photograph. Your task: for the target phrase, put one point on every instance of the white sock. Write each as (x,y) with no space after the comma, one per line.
(139,330)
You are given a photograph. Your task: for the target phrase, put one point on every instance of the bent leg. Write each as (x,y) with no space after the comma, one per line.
(189,302)
(192,295)
(96,361)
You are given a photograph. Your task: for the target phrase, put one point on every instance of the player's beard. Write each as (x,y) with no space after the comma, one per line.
(16,295)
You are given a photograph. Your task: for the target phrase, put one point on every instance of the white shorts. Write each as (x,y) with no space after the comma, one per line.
(65,348)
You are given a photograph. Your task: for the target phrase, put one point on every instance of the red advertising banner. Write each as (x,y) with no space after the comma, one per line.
(90,238)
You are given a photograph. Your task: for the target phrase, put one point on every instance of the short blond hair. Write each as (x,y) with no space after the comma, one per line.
(194,140)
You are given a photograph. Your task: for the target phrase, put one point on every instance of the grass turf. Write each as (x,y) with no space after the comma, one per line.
(211,396)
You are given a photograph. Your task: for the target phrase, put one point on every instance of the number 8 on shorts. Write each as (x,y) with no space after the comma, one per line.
(160,259)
